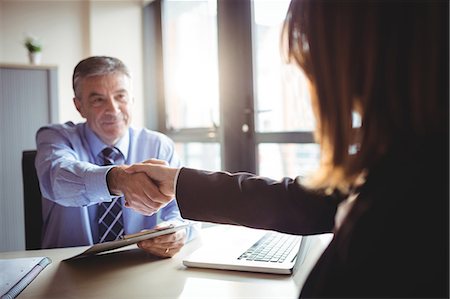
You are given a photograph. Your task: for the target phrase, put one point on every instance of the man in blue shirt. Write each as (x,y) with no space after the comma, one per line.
(73,180)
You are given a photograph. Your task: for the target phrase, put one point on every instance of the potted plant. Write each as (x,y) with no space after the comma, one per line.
(34,48)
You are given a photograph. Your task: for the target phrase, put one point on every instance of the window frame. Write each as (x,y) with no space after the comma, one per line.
(238,146)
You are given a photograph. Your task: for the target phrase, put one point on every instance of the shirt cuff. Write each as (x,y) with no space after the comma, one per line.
(96,183)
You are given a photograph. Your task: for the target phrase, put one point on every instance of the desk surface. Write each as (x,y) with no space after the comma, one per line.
(131,273)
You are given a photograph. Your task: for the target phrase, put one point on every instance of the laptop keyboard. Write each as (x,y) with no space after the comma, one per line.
(272,247)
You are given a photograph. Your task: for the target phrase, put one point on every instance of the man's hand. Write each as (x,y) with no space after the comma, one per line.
(166,245)
(138,190)
(161,175)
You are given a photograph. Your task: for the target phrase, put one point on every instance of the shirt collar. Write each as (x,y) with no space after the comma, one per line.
(96,144)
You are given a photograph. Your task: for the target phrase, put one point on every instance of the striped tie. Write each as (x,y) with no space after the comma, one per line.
(110,221)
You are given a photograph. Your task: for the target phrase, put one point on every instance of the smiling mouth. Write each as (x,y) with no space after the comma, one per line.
(109,123)
(112,121)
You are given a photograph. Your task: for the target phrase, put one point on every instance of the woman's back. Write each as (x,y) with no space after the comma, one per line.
(394,242)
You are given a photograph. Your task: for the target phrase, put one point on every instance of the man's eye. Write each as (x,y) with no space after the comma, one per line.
(122,98)
(97,101)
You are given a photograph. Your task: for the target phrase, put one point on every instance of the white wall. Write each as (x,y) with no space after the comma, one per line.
(71,31)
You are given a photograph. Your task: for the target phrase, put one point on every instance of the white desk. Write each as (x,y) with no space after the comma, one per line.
(131,273)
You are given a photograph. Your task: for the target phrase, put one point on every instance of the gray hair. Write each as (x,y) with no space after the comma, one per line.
(96,66)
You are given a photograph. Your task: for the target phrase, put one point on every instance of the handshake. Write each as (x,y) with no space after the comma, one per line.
(146,187)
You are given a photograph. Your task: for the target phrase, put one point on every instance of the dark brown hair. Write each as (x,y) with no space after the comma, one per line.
(387,60)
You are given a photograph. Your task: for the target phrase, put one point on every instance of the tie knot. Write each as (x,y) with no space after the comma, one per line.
(109,155)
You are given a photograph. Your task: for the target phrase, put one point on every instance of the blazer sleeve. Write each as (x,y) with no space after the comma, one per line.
(249,200)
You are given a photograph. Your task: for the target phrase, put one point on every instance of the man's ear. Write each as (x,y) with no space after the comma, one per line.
(77,103)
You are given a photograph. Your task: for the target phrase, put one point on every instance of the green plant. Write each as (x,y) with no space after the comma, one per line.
(33,44)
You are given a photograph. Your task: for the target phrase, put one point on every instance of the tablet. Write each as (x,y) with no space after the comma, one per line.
(130,239)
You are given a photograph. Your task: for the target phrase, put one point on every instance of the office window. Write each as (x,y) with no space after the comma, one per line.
(282,101)
(291,160)
(190,76)
(229,100)
(199,155)
(190,63)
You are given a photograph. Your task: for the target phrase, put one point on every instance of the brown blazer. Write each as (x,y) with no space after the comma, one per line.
(393,243)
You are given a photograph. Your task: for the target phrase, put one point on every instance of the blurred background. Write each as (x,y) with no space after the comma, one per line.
(208,73)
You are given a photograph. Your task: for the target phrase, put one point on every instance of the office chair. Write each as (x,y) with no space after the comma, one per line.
(32,201)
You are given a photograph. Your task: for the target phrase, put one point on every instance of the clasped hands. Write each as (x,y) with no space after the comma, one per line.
(147,186)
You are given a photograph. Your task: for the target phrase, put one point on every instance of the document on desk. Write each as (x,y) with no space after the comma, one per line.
(130,239)
(17,273)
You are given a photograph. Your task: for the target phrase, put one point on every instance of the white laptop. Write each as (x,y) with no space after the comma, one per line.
(230,251)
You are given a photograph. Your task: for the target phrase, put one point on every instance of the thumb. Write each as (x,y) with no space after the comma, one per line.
(138,167)
(156,162)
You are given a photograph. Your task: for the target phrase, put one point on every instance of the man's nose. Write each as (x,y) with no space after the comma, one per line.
(112,105)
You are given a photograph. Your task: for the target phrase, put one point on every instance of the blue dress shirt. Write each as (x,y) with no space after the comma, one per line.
(72,182)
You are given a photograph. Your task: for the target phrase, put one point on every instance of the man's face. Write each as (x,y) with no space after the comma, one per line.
(105,104)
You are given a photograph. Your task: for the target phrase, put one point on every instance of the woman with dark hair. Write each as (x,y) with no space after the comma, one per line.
(386,201)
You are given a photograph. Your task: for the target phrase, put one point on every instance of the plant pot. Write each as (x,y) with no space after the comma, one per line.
(35,57)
